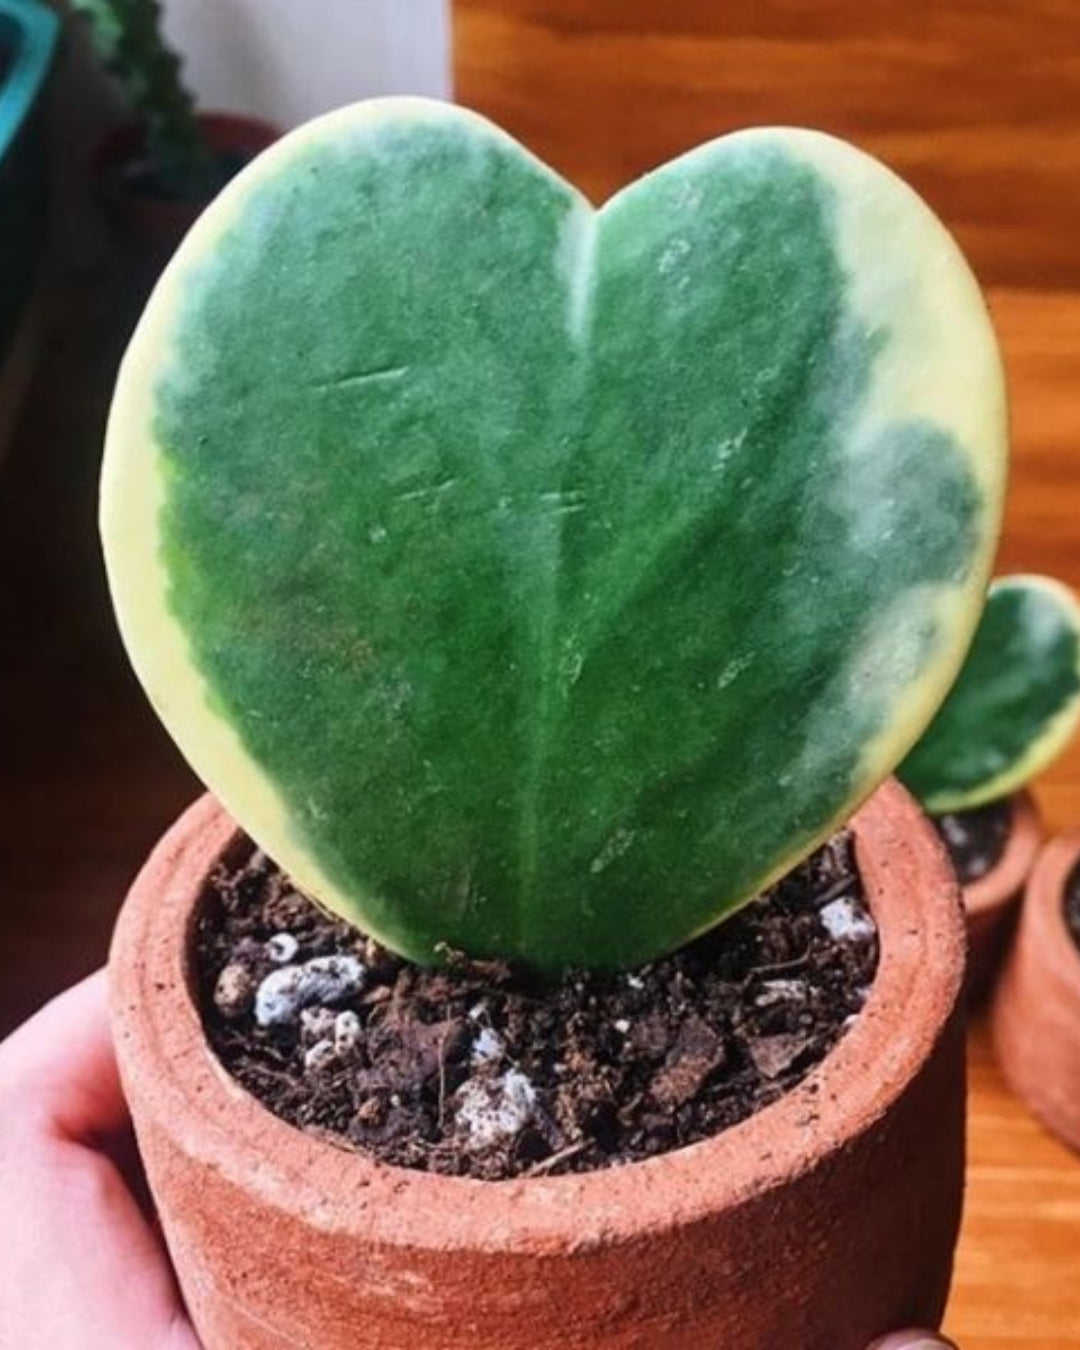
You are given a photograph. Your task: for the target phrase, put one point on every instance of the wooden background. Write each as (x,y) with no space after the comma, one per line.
(977,103)
(974,101)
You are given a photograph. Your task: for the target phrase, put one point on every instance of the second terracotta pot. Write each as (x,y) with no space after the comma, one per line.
(1036,1011)
(156,225)
(825,1220)
(991,904)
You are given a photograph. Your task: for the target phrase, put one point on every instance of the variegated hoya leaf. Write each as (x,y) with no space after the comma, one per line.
(539,580)
(1015,705)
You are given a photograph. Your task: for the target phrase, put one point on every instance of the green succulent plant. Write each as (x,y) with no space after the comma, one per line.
(539,581)
(1015,705)
(128,39)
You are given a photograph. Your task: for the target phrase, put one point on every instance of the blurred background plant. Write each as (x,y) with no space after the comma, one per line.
(127,35)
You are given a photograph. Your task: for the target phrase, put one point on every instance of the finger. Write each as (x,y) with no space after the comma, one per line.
(60,1065)
(80,1264)
(80,1267)
(914,1339)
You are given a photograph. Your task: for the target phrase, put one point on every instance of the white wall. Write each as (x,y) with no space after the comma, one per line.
(283,60)
(287,60)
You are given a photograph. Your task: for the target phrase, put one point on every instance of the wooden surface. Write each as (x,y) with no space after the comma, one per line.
(88,778)
(975,101)
(1016,1284)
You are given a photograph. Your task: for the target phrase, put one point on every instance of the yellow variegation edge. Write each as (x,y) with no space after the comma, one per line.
(937,386)
(877,210)
(936,381)
(132,470)
(1059,731)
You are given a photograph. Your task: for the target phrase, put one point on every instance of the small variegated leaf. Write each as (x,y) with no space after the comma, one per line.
(1015,705)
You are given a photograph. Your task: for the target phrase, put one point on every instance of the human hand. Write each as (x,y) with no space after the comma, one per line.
(82,1266)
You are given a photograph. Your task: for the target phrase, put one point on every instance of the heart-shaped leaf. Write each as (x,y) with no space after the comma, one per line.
(1015,705)
(544,581)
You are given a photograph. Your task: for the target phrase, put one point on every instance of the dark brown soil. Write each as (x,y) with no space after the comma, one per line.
(477,1070)
(1072,904)
(975,839)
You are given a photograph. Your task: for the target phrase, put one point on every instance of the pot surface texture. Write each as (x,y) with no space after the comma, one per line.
(825,1220)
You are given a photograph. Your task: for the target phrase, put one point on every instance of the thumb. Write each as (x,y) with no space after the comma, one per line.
(61,1063)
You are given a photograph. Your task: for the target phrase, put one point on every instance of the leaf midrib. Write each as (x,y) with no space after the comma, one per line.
(539,637)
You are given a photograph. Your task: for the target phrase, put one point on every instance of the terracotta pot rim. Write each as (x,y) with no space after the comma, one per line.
(1006,878)
(913,998)
(1035,1016)
(1044,904)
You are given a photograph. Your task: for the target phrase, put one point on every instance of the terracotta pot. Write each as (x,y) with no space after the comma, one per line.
(157,224)
(991,904)
(827,1219)
(1036,1010)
